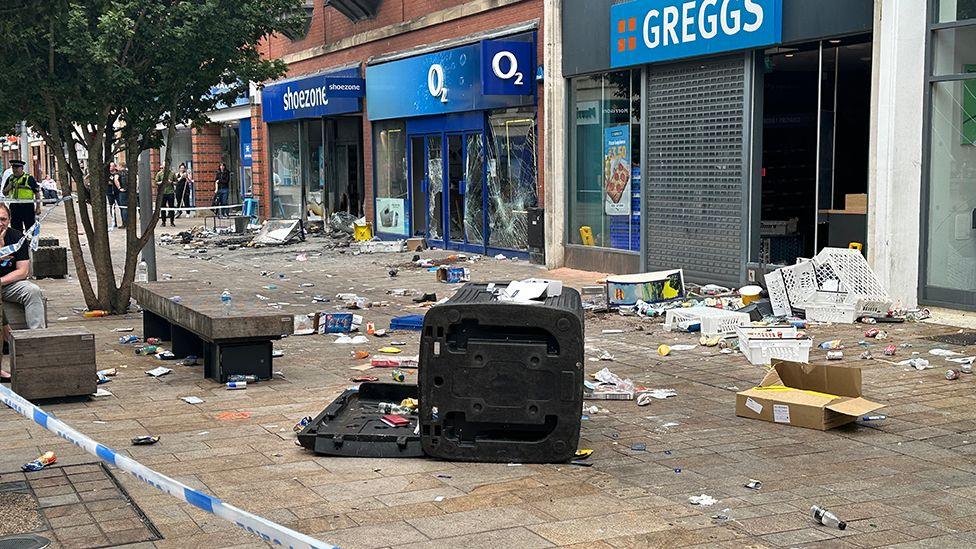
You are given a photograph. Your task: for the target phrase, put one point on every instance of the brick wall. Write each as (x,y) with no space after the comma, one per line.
(260,173)
(207,154)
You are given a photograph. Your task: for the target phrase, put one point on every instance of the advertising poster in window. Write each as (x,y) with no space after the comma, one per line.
(616,170)
(390,214)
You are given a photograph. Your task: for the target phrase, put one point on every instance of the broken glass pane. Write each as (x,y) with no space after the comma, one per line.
(512,151)
(473,194)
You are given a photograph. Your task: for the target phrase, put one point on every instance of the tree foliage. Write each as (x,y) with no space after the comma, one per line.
(100,77)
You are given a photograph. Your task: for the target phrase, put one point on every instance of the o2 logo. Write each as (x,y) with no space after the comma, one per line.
(435,82)
(512,73)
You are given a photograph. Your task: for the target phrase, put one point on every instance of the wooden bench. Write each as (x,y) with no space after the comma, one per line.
(197,325)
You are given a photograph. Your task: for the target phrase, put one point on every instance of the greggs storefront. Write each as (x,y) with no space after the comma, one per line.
(717,136)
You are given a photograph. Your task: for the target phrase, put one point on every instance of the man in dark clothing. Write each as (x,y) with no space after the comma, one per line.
(111,193)
(122,194)
(22,186)
(14,269)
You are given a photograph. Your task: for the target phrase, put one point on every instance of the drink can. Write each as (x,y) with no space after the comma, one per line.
(835,355)
(301,424)
(152,341)
(890,350)
(234,385)
(125,340)
(398,376)
(966,368)
(952,375)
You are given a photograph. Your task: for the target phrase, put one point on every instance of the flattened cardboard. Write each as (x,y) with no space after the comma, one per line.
(834,398)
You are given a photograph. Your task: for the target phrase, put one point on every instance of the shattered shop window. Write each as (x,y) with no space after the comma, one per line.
(605,168)
(391,176)
(512,176)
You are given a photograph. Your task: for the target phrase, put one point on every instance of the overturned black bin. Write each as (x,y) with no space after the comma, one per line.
(502,381)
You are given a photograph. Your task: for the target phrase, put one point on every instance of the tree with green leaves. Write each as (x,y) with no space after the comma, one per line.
(103,76)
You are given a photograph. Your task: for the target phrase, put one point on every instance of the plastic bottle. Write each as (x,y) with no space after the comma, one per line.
(225,298)
(827,518)
(240,378)
(142,271)
(96,313)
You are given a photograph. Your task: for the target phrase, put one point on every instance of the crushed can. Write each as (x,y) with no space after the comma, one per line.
(147,350)
(952,375)
(398,376)
(302,423)
(872,333)
(890,350)
(145,440)
(45,459)
(153,341)
(125,340)
(236,385)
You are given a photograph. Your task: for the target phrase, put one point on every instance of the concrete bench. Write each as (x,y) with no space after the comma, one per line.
(197,325)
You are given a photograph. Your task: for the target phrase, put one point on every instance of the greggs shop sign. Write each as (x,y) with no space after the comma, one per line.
(649,31)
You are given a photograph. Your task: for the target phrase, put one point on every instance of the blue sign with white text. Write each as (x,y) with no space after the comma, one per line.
(507,68)
(320,95)
(448,81)
(247,157)
(648,31)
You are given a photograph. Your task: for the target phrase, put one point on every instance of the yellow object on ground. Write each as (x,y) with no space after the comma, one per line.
(362,233)
(664,350)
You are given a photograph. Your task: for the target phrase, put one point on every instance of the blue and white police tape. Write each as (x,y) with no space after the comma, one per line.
(190,208)
(270,532)
(31,234)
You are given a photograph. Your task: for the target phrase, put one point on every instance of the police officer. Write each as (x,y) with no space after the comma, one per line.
(22,186)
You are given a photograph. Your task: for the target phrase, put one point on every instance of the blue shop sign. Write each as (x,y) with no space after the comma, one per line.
(247,157)
(456,80)
(327,94)
(649,31)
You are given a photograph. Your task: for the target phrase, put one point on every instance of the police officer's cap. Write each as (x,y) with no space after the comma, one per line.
(17,163)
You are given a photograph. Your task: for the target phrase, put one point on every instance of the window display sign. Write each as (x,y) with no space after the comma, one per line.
(391,216)
(616,170)
(648,31)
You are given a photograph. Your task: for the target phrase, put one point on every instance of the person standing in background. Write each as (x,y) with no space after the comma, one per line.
(184,188)
(112,193)
(23,187)
(222,183)
(122,194)
(165,182)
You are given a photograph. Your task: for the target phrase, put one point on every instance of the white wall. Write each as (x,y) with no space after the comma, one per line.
(554,161)
(896,146)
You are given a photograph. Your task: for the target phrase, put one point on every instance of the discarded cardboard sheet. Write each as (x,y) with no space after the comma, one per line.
(655,287)
(276,232)
(814,396)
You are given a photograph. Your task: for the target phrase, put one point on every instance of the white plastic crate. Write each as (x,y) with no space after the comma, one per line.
(778,297)
(713,321)
(762,345)
(838,313)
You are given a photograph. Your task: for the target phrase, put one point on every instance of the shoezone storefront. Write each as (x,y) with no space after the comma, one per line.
(454,144)
(716,136)
(315,144)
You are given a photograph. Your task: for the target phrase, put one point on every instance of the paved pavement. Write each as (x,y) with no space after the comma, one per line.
(906,481)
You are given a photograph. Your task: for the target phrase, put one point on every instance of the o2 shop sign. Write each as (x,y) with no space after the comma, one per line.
(648,31)
(507,67)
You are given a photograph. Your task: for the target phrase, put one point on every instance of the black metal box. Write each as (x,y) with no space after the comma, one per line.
(502,381)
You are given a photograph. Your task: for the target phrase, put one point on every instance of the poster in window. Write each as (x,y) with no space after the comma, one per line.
(616,170)
(390,215)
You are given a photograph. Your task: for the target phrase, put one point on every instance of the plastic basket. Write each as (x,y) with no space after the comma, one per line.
(840,313)
(713,321)
(778,297)
(761,346)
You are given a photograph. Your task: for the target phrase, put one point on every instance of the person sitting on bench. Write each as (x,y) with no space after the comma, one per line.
(14,269)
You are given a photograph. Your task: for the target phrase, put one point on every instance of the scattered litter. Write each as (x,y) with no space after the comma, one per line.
(45,459)
(608,332)
(583,453)
(944,353)
(301,257)
(832,345)
(964,360)
(225,416)
(638,447)
(754,484)
(391,350)
(398,375)
(278,353)
(123,330)
(109,372)
(878,417)
(835,355)
(827,518)
(703,500)
(346,340)
(680,348)
(145,440)
(644,397)
(952,375)
(664,350)
(917,363)
(192,400)
(890,350)
(866,355)
(360,355)
(361,367)
(606,356)
(160,371)
(364,379)
(438,499)
(125,340)
(236,385)
(102,393)
(302,423)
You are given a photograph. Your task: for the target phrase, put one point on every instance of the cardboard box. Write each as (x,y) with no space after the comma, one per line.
(656,287)
(453,275)
(815,396)
(336,323)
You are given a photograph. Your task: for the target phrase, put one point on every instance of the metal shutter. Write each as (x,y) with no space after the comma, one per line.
(694,188)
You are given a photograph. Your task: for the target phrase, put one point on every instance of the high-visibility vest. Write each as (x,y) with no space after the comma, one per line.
(19,187)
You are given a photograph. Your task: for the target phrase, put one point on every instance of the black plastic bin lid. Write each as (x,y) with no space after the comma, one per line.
(351,426)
